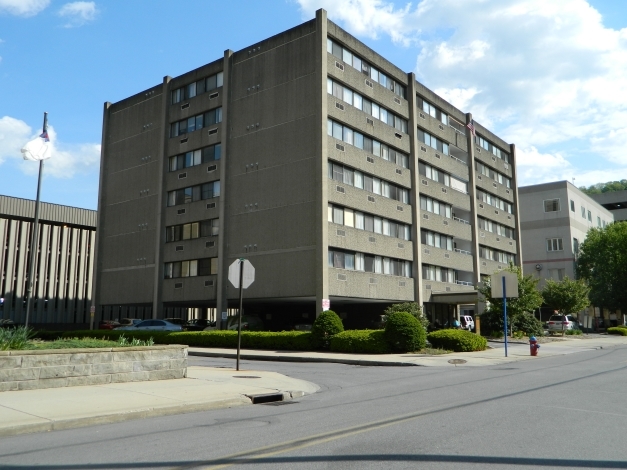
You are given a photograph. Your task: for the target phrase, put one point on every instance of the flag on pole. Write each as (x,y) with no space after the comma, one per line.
(471,126)
(38,148)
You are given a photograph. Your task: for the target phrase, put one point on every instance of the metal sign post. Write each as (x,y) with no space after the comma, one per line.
(241,275)
(502,283)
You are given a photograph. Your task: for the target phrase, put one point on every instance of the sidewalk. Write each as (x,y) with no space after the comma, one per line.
(495,356)
(204,388)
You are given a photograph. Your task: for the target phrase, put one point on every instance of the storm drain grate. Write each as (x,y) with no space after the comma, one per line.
(267,398)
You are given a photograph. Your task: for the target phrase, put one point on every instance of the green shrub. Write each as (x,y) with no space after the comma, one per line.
(413,308)
(404,333)
(525,322)
(360,341)
(15,338)
(617,330)
(457,340)
(284,340)
(620,326)
(326,325)
(574,332)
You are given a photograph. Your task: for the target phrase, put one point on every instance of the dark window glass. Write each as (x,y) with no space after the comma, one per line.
(369,223)
(204,267)
(368,183)
(369,263)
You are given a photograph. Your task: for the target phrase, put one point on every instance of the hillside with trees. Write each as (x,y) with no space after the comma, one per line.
(600,188)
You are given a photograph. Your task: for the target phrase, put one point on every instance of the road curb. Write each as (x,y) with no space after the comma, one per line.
(282,358)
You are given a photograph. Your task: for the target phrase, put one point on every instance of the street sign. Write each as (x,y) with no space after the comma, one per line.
(326,305)
(92,309)
(248,276)
(511,284)
(225,315)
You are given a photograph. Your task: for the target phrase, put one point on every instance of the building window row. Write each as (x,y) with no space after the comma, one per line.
(368,222)
(437,273)
(490,147)
(197,88)
(369,183)
(433,142)
(431,110)
(191,268)
(494,201)
(204,228)
(494,227)
(495,175)
(368,263)
(364,104)
(435,174)
(496,255)
(358,63)
(436,207)
(194,193)
(437,240)
(552,205)
(195,123)
(554,244)
(196,157)
(357,139)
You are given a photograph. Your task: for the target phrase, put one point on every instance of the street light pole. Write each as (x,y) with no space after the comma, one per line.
(33,238)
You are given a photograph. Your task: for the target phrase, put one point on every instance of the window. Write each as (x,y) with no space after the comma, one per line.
(431,110)
(495,175)
(440,176)
(433,142)
(436,207)
(575,246)
(437,273)
(487,145)
(583,212)
(572,205)
(598,221)
(348,135)
(437,240)
(494,201)
(551,205)
(557,274)
(353,60)
(554,244)
(196,157)
(342,259)
(372,184)
(197,88)
(494,227)
(589,216)
(360,102)
(363,221)
(191,268)
(496,255)
(194,193)
(195,123)
(204,228)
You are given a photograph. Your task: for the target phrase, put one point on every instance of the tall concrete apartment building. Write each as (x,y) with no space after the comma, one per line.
(64,264)
(554,219)
(337,174)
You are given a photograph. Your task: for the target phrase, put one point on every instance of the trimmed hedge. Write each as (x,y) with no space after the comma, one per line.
(457,340)
(404,332)
(360,341)
(324,327)
(617,330)
(283,340)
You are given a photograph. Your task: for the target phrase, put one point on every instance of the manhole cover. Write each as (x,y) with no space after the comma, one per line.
(456,361)
(250,376)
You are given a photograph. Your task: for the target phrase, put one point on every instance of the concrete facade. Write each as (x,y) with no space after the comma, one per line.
(283,170)
(565,223)
(62,288)
(615,202)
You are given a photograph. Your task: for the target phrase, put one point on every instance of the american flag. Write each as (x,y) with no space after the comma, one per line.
(44,135)
(471,126)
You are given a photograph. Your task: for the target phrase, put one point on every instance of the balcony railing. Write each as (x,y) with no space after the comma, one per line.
(463,252)
(459,160)
(461,220)
(463,283)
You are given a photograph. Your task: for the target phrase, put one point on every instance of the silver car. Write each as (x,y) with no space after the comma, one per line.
(152,325)
(559,323)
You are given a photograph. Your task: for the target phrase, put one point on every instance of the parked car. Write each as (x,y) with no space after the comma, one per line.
(152,325)
(303,327)
(130,321)
(559,323)
(467,322)
(108,324)
(176,321)
(199,324)
(249,323)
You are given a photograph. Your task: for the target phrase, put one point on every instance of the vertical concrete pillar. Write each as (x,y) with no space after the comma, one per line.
(519,254)
(415,192)
(322,200)
(161,195)
(222,301)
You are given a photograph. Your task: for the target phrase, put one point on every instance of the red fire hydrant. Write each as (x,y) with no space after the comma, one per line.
(533,346)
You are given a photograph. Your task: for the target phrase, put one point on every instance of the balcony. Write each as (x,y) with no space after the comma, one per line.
(458,154)
(457,126)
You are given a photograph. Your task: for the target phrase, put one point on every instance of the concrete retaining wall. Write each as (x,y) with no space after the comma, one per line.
(28,370)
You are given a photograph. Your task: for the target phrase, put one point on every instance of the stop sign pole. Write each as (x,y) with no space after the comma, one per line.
(246,275)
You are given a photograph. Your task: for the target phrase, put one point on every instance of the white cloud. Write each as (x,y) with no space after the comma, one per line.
(66,160)
(23,7)
(540,74)
(78,13)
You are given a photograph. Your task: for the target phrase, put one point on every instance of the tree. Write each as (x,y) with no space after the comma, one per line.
(413,308)
(566,296)
(602,262)
(600,188)
(529,298)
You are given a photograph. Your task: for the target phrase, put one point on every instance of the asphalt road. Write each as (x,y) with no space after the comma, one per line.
(560,412)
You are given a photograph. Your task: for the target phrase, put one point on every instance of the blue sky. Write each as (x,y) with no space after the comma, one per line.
(549,76)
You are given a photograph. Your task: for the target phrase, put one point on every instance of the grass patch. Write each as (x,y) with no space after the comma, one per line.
(21,339)
(432,351)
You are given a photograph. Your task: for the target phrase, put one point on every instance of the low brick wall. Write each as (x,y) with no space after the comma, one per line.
(28,370)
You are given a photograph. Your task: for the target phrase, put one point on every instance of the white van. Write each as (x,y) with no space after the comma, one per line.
(467,322)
